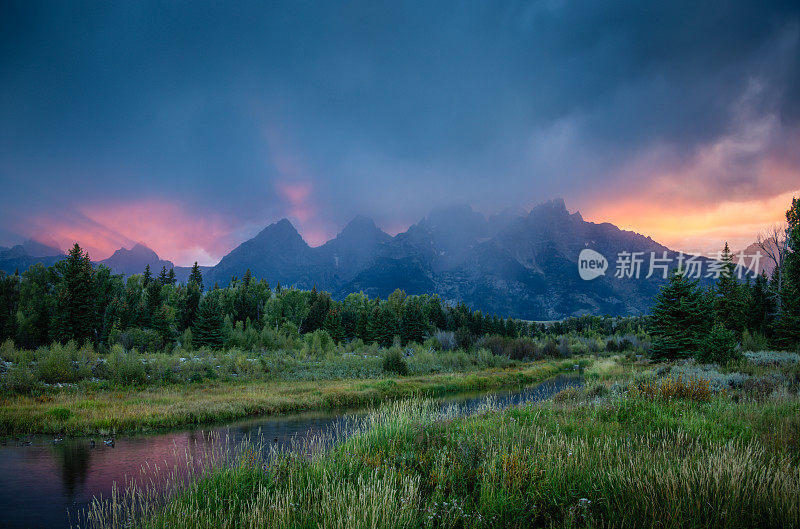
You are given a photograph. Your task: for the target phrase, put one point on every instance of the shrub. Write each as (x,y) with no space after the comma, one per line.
(164,368)
(20,379)
(7,351)
(569,394)
(125,368)
(754,342)
(393,362)
(696,389)
(446,339)
(521,349)
(719,347)
(54,363)
(318,343)
(464,338)
(772,358)
(138,338)
(564,348)
(624,345)
(186,339)
(550,348)
(485,358)
(494,343)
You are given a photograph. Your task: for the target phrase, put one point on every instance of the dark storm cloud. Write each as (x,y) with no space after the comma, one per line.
(242,112)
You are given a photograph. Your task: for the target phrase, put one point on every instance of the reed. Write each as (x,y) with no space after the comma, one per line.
(575,463)
(82,411)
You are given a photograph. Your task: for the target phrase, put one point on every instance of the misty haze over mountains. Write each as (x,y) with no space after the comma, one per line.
(517,264)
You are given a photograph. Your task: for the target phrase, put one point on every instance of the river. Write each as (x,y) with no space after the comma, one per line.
(46,483)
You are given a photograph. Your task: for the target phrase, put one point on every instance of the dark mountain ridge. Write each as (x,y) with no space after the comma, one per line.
(133,261)
(513,263)
(520,264)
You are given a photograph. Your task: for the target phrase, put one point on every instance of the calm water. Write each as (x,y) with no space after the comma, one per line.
(45,484)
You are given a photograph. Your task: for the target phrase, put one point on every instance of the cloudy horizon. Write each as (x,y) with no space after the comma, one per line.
(190,127)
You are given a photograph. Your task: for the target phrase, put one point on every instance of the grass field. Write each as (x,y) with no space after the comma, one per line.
(82,410)
(631,449)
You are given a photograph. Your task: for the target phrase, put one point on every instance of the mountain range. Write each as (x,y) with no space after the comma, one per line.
(518,264)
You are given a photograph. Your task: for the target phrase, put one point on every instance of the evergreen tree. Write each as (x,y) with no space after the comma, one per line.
(760,306)
(162,276)
(318,307)
(382,325)
(412,323)
(719,346)
(189,304)
(349,323)
(680,319)
(147,276)
(333,325)
(362,325)
(75,306)
(153,301)
(9,304)
(196,276)
(435,314)
(171,277)
(728,296)
(208,327)
(160,322)
(788,324)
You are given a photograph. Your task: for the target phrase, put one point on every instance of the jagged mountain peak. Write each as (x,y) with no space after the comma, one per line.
(447,217)
(129,261)
(31,248)
(552,207)
(282,232)
(138,250)
(360,225)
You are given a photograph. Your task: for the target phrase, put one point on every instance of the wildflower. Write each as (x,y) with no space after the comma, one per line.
(583,503)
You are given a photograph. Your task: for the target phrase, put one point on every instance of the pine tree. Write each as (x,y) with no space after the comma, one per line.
(333,325)
(760,306)
(208,327)
(719,346)
(728,296)
(412,323)
(382,325)
(349,323)
(435,314)
(75,312)
(153,302)
(159,321)
(788,324)
(319,305)
(680,319)
(189,304)
(196,276)
(147,277)
(171,277)
(162,276)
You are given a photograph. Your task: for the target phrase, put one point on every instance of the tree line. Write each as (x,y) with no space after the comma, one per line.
(708,323)
(73,300)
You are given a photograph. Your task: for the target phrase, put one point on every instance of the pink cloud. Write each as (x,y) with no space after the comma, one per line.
(297,196)
(171,231)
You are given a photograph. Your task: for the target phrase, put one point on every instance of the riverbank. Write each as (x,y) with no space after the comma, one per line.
(588,458)
(87,411)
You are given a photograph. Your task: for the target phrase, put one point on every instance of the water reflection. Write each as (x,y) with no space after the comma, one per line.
(74,466)
(46,484)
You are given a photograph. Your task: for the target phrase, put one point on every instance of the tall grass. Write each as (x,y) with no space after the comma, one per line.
(551,464)
(176,405)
